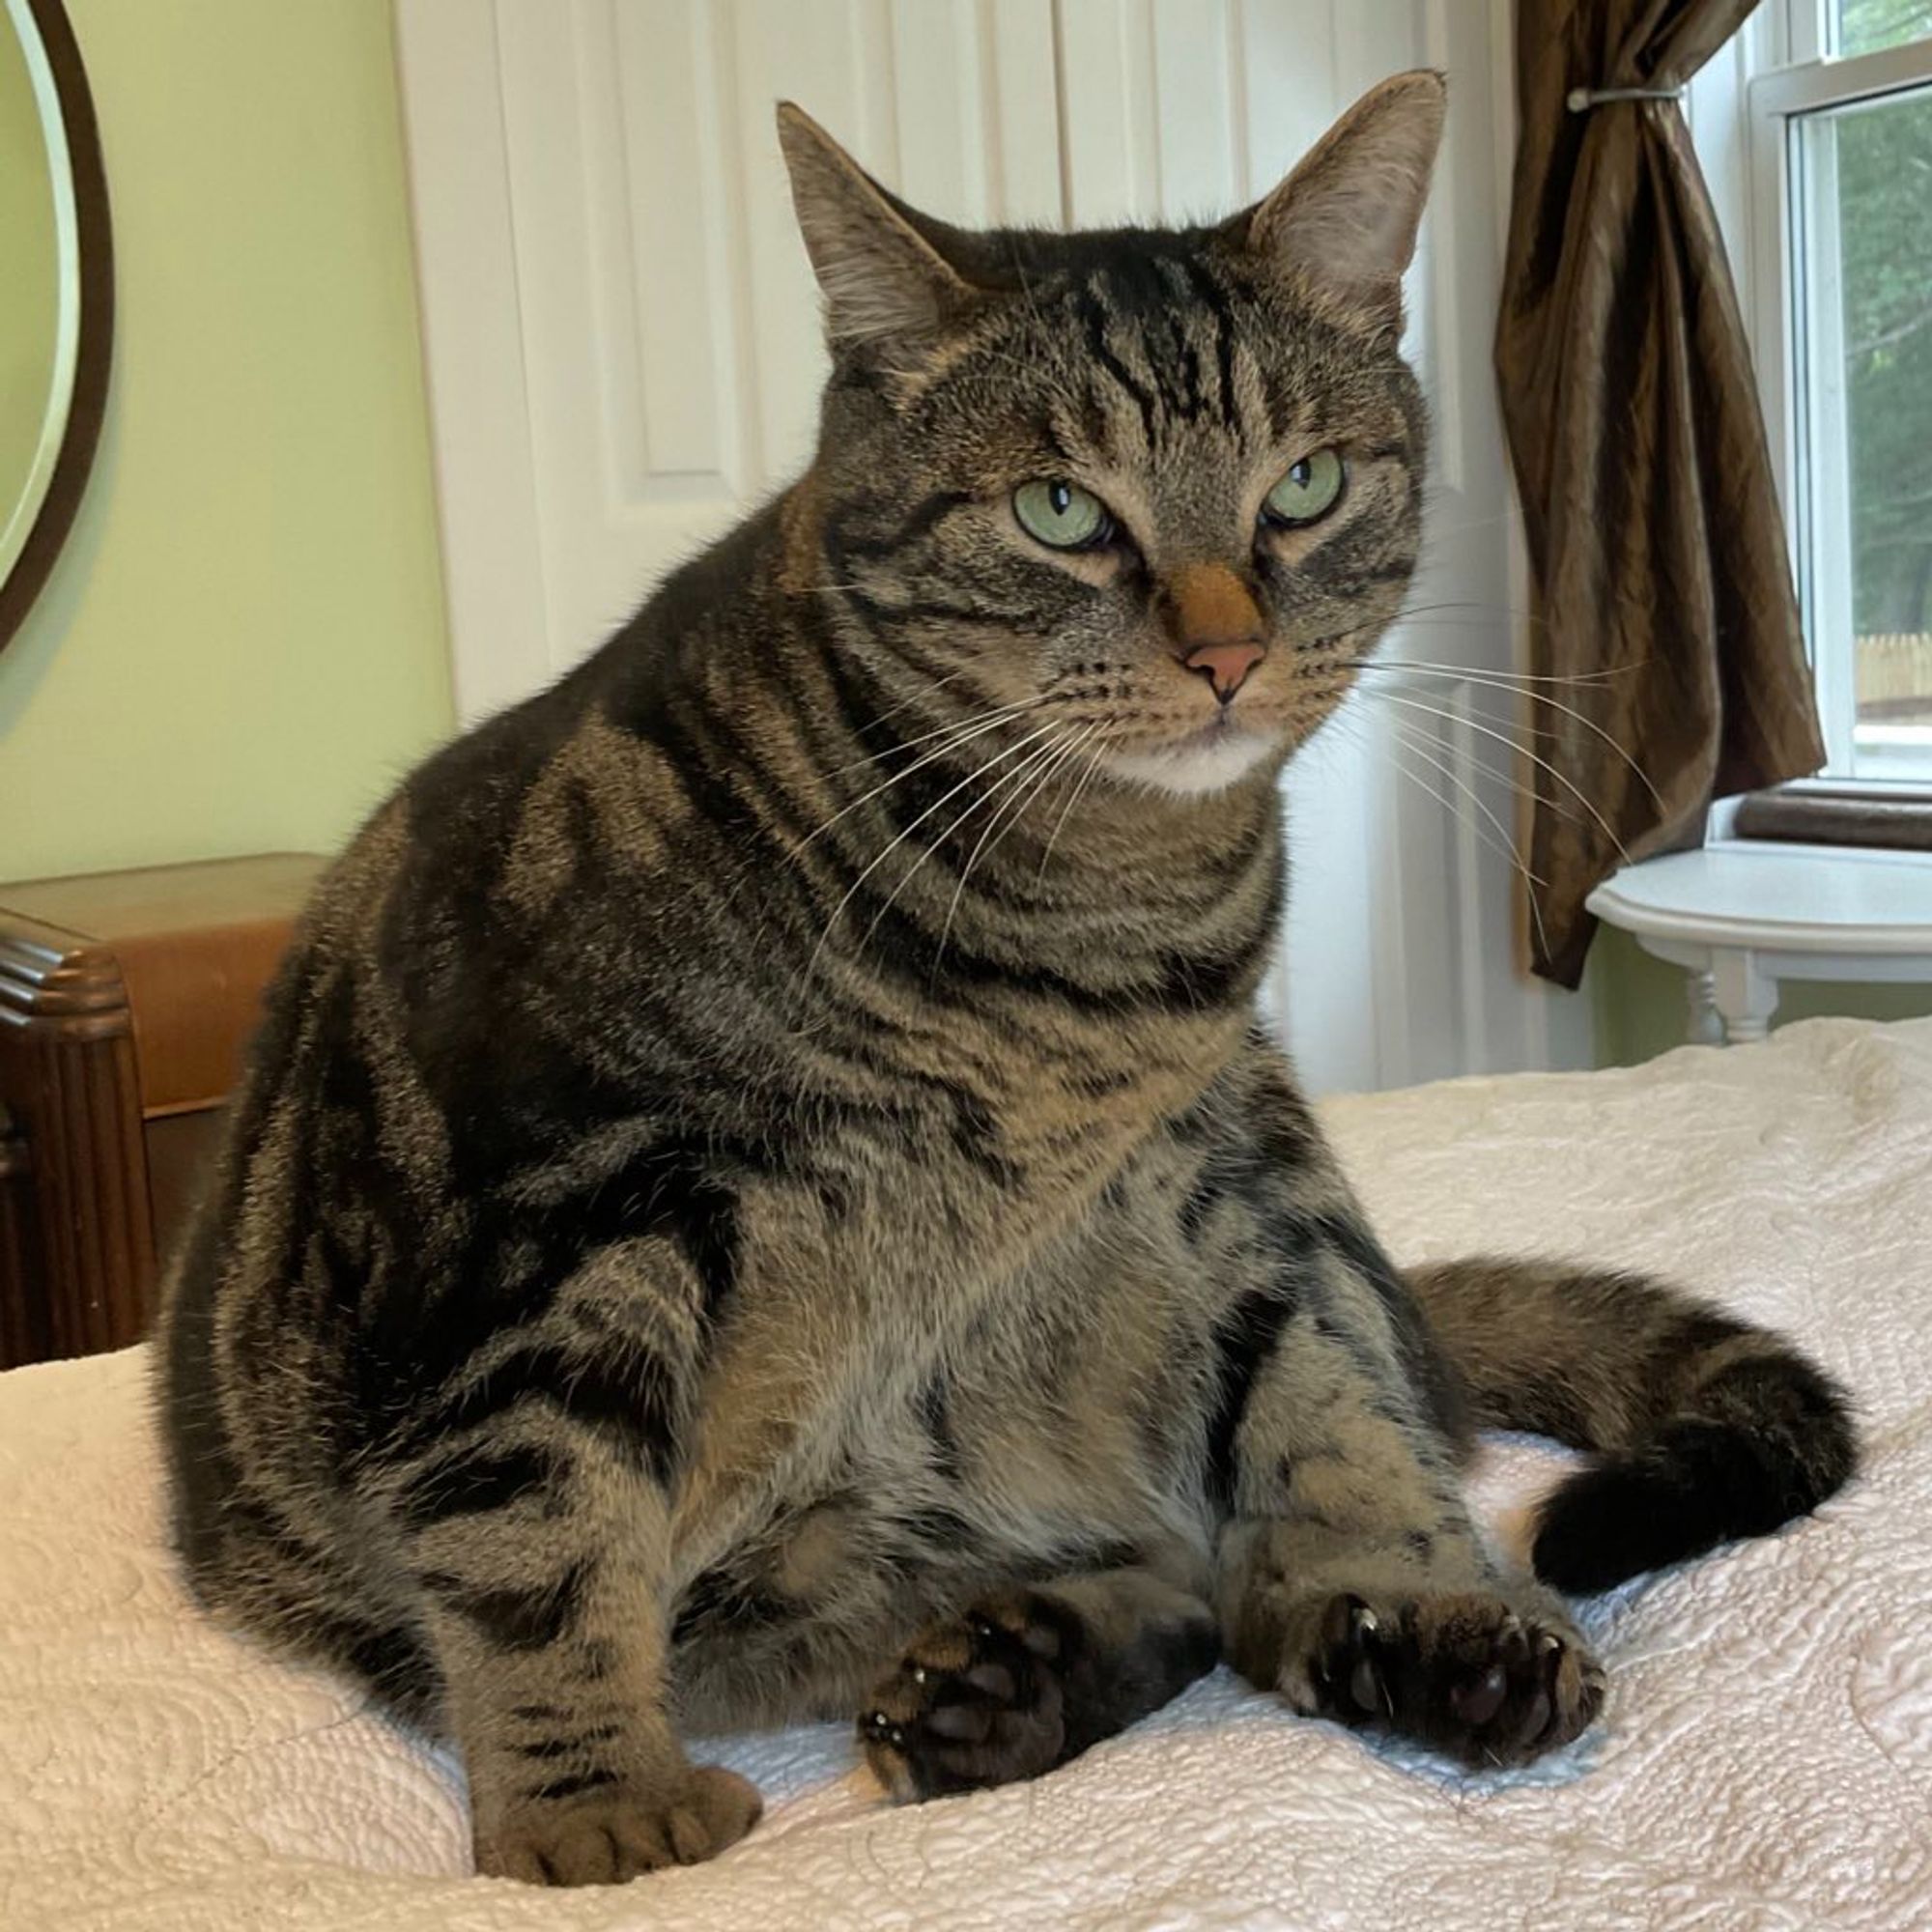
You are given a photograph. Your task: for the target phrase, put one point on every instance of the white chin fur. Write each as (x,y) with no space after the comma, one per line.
(1202,764)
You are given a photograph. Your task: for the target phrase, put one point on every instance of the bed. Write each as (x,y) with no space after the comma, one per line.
(1765,1759)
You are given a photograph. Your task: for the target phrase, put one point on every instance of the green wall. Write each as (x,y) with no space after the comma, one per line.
(243,644)
(1640,1001)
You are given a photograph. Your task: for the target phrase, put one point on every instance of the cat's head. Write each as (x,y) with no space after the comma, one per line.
(1158,487)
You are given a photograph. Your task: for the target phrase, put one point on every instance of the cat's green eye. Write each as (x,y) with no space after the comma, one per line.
(1310,489)
(1062,514)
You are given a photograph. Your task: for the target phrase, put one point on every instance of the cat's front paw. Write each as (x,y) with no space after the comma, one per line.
(975,1702)
(1466,1673)
(609,1832)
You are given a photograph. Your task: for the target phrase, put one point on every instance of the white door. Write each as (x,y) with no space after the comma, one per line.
(622,353)
(622,330)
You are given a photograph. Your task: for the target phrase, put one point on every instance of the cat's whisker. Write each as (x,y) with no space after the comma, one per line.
(1434,533)
(972,777)
(1501,842)
(1500,771)
(928,685)
(1507,682)
(1476,625)
(1080,785)
(1501,774)
(1463,625)
(1515,614)
(1521,750)
(1071,751)
(1595,680)
(958,724)
(1017,777)
(966,735)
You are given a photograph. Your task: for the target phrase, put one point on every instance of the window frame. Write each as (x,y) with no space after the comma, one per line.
(1793,72)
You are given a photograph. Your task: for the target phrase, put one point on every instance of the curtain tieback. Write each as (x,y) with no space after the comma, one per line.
(1580,99)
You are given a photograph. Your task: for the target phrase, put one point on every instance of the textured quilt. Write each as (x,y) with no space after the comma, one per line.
(1765,1759)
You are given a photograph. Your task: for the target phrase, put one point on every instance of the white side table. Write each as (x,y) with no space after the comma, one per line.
(1740,915)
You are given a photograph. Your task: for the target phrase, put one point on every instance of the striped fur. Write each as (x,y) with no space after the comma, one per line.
(760,1194)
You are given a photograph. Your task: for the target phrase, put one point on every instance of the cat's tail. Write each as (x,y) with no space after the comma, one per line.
(1702,1427)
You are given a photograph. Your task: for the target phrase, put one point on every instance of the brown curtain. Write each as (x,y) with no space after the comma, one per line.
(1660,572)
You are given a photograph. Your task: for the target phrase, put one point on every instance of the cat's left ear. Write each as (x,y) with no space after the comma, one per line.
(883,281)
(1343,224)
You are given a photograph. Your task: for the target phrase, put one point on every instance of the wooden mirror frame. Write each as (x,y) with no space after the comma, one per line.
(94,347)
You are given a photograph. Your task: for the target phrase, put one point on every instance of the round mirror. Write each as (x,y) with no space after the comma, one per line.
(56,295)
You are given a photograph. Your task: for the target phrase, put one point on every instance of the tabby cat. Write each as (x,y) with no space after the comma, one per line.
(761,1193)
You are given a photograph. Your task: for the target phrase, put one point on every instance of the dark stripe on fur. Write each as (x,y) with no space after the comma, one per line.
(547,1749)
(716,1599)
(1217,304)
(919,520)
(1200,1201)
(934,1413)
(515,1617)
(571,1783)
(901,949)
(626,1394)
(1243,1341)
(475,1480)
(1429,1372)
(392,1660)
(1094,320)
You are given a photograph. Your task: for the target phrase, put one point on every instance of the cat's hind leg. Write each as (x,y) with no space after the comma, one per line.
(1030,1677)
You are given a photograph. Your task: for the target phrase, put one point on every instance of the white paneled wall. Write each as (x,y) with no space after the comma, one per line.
(622,350)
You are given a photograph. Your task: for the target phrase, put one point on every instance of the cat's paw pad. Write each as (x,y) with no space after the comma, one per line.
(975,1702)
(609,1832)
(1466,1673)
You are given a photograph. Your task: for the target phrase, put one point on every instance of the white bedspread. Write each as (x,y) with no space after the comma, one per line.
(1766,1758)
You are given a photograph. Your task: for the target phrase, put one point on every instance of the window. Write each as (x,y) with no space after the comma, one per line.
(1841,158)
(1864,26)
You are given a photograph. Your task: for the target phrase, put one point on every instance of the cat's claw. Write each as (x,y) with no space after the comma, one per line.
(1466,1673)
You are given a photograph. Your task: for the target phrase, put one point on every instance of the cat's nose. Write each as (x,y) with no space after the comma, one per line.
(1225,667)
(1214,626)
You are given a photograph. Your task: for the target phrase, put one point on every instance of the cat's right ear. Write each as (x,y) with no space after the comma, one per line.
(882,281)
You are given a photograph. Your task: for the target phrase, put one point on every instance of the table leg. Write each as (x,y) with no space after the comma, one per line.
(1706,1025)
(1745,994)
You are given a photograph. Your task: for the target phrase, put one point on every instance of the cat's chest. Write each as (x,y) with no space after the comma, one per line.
(1062,1102)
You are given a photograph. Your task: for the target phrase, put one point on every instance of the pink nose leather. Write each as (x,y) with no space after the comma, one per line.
(1225,667)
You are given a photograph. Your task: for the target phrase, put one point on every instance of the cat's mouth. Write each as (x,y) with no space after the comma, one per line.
(1223,729)
(1180,739)
(1201,757)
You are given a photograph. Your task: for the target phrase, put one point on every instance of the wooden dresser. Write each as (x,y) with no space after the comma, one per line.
(126,1001)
